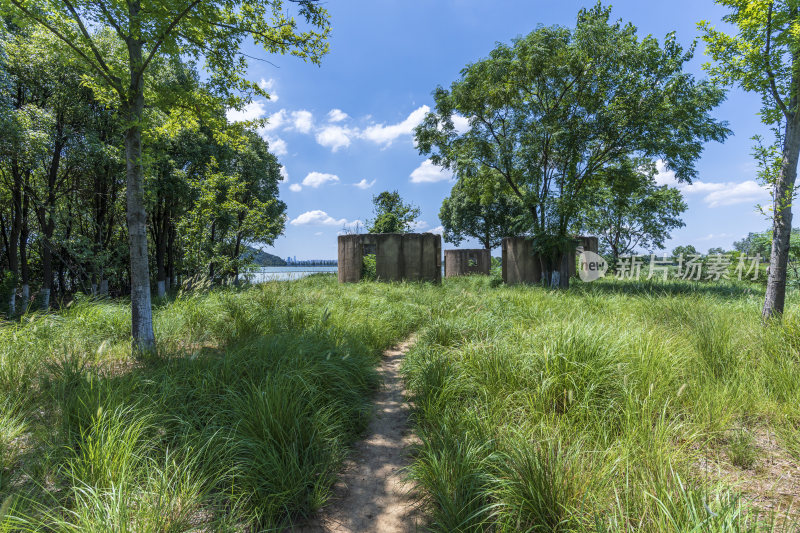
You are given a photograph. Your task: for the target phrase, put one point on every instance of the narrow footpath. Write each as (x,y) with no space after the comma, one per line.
(371,494)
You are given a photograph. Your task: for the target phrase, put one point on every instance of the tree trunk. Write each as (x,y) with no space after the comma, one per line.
(141,311)
(782,221)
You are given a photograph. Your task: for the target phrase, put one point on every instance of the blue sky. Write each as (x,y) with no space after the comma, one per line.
(343,130)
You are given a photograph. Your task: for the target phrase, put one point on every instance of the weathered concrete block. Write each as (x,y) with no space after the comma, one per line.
(519,263)
(464,262)
(350,258)
(398,256)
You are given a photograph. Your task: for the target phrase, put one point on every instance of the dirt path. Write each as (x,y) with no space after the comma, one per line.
(371,494)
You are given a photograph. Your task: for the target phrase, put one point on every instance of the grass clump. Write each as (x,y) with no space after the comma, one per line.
(240,422)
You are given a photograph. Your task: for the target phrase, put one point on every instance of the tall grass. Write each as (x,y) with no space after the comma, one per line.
(595,409)
(240,422)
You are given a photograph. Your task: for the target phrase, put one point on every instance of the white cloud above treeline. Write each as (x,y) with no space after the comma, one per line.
(317,217)
(715,194)
(364,184)
(427,172)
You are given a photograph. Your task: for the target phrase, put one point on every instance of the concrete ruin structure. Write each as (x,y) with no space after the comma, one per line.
(521,265)
(466,262)
(398,256)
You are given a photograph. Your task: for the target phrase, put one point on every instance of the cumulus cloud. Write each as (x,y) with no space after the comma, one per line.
(427,172)
(386,134)
(317,217)
(318,179)
(284,174)
(302,121)
(269,87)
(364,184)
(250,111)
(277,145)
(461,124)
(418,225)
(275,121)
(295,187)
(337,115)
(437,230)
(715,194)
(334,137)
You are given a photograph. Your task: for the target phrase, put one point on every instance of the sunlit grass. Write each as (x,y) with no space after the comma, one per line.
(594,409)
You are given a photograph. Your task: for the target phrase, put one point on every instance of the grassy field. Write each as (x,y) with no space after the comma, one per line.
(610,407)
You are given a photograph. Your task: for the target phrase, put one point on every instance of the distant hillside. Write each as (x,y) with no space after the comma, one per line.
(264,259)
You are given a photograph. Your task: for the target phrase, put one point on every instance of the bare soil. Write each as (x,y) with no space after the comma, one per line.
(372,494)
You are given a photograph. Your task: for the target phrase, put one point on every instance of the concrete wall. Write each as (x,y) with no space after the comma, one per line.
(398,256)
(350,258)
(463,262)
(520,265)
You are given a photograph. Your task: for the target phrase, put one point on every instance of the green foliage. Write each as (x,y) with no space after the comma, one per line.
(686,251)
(369,270)
(553,111)
(486,217)
(391,214)
(632,212)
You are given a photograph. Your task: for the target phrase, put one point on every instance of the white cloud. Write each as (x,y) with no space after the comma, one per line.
(427,172)
(335,137)
(250,111)
(303,121)
(317,217)
(364,184)
(461,124)
(317,233)
(295,187)
(385,135)
(269,86)
(317,179)
(716,194)
(337,115)
(418,225)
(274,121)
(737,193)
(437,230)
(284,174)
(277,145)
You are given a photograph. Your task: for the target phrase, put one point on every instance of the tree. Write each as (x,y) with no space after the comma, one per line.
(391,214)
(553,109)
(213,30)
(632,211)
(685,251)
(763,56)
(486,217)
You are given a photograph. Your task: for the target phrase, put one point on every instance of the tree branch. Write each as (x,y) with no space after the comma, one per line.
(767,65)
(164,34)
(106,76)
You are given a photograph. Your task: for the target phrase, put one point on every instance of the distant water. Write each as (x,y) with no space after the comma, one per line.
(286,273)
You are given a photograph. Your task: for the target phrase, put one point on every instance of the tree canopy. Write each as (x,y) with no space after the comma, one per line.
(632,211)
(392,215)
(553,109)
(486,217)
(120,41)
(763,56)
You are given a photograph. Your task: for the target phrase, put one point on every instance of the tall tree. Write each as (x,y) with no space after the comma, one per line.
(392,215)
(763,56)
(211,30)
(553,109)
(486,216)
(632,212)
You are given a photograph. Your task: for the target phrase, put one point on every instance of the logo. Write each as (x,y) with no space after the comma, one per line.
(591,266)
